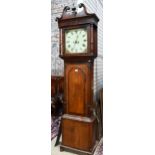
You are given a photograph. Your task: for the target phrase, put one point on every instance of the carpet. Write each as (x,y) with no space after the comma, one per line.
(99,148)
(55,123)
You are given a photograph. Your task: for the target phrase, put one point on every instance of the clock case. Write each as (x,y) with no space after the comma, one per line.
(78,122)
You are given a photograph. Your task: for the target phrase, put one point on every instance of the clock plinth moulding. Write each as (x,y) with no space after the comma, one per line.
(78,49)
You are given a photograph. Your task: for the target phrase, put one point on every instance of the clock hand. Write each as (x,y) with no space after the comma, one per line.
(75,42)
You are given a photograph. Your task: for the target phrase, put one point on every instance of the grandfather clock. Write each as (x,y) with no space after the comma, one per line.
(78,48)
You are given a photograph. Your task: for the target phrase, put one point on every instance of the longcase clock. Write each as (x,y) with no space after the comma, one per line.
(78,49)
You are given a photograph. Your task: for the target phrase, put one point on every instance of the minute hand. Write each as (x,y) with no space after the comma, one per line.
(76,41)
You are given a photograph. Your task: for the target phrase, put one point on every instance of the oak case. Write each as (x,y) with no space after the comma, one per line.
(78,121)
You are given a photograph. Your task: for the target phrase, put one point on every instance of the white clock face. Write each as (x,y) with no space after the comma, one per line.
(76,40)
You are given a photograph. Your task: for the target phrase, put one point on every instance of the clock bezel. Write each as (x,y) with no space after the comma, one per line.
(65,53)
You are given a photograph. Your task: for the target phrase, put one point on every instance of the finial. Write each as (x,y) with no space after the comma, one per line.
(74,9)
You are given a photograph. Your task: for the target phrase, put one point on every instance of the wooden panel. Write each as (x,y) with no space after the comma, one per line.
(77,134)
(77,88)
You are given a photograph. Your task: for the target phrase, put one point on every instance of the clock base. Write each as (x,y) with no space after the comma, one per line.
(78,133)
(78,151)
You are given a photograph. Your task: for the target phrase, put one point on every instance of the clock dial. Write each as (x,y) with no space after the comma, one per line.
(76,40)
